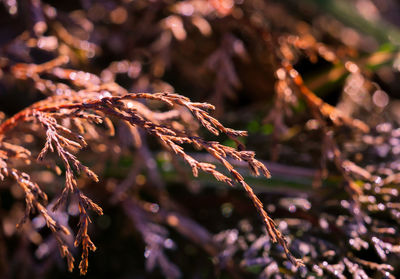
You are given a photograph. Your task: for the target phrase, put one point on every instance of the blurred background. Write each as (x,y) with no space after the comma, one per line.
(314,82)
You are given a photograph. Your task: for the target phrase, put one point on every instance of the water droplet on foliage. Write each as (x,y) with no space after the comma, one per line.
(72,76)
(227,209)
(147,253)
(168,243)
(154,207)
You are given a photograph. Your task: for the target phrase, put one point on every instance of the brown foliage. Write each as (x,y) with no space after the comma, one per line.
(84,65)
(95,105)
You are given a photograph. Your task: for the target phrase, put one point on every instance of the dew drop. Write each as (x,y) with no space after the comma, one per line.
(72,76)
(292,208)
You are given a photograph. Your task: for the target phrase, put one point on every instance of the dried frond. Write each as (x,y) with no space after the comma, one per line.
(64,142)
